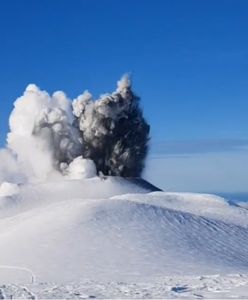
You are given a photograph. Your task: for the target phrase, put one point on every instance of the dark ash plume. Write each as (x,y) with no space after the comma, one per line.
(114,132)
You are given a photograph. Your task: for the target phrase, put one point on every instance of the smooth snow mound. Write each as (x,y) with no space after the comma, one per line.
(8,189)
(81,168)
(89,230)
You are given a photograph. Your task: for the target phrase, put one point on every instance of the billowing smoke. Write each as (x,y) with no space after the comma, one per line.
(41,132)
(50,135)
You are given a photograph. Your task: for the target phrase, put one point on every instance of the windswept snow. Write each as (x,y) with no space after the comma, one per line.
(233,286)
(113,233)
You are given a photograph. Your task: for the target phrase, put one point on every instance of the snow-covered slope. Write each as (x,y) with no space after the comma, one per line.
(113,230)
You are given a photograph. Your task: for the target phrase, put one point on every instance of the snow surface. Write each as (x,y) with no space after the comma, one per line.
(111,238)
(232,286)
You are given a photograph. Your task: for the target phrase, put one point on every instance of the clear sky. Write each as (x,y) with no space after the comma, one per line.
(189,64)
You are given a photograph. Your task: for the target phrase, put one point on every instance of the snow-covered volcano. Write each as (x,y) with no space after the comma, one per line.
(111,230)
(69,231)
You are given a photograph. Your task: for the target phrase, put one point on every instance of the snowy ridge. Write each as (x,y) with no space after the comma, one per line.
(205,205)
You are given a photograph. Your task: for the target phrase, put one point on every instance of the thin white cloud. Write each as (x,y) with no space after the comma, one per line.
(209,172)
(185,147)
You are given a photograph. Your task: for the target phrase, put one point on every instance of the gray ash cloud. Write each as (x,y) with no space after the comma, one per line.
(114,132)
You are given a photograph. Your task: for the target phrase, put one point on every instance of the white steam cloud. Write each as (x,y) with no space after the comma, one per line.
(41,133)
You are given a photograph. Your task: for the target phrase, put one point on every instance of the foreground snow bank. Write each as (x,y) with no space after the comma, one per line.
(89,230)
(173,287)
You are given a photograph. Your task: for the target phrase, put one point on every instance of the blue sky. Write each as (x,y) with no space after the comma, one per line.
(189,63)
